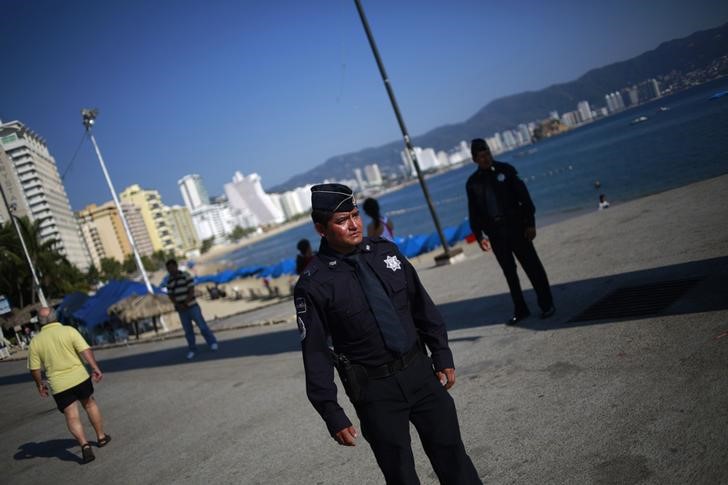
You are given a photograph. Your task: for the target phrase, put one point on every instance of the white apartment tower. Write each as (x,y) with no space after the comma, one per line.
(31,175)
(374,176)
(193,191)
(584,110)
(247,197)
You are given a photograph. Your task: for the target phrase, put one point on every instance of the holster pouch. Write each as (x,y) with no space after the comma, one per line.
(353,376)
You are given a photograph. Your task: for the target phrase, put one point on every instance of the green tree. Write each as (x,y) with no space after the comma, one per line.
(111,269)
(206,244)
(129,264)
(92,275)
(56,274)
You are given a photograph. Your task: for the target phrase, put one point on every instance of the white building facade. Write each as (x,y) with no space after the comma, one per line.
(247,198)
(35,180)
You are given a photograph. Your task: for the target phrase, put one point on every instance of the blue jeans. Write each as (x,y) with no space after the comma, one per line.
(195,313)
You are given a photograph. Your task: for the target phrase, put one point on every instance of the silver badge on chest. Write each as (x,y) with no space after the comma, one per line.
(393,263)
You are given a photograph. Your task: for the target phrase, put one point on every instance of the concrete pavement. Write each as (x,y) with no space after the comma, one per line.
(632,400)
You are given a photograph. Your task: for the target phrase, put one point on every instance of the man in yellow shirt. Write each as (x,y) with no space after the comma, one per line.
(56,349)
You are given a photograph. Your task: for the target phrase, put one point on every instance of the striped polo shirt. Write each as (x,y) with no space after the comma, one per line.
(179,285)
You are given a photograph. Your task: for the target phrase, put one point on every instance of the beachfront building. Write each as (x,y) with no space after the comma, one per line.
(585,113)
(150,205)
(291,204)
(495,144)
(374,176)
(426,157)
(216,221)
(614,101)
(460,153)
(193,191)
(104,235)
(30,178)
(138,229)
(183,230)
(249,201)
(360,179)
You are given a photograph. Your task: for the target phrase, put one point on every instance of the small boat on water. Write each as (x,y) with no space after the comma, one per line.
(662,109)
(719,94)
(639,119)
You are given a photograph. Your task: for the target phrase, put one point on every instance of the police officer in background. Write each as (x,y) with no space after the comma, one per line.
(366,298)
(502,215)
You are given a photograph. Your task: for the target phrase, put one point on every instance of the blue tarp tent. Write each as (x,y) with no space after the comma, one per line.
(69,304)
(93,311)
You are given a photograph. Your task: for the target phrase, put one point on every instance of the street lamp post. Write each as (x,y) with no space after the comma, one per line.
(89,118)
(450,255)
(36,282)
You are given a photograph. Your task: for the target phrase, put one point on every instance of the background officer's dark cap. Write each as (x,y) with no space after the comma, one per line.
(332,198)
(478,145)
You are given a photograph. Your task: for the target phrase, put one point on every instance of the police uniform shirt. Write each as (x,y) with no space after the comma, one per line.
(330,304)
(512,201)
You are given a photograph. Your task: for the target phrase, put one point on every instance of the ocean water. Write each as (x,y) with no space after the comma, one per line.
(687,143)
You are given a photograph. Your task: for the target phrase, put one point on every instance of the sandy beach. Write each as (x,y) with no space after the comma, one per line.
(635,398)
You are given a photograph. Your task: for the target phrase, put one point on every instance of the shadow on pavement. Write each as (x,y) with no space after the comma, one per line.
(570,298)
(574,297)
(49,449)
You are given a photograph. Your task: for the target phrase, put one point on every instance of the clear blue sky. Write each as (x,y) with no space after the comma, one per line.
(277,87)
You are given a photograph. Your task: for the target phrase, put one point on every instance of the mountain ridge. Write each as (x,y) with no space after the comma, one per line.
(683,55)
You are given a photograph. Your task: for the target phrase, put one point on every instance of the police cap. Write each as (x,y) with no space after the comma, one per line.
(332,198)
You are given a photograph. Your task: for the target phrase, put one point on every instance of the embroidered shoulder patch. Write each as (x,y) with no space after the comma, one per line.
(300,305)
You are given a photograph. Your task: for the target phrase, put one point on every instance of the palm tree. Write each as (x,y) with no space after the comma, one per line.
(56,274)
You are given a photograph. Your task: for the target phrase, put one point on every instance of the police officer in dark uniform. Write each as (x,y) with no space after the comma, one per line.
(362,297)
(502,215)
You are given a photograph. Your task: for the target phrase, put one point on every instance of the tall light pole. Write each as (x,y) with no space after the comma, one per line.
(36,282)
(451,254)
(89,118)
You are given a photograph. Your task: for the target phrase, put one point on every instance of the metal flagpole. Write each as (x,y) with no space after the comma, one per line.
(445,258)
(89,118)
(36,282)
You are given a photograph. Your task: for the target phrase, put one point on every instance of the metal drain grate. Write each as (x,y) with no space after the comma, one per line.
(636,301)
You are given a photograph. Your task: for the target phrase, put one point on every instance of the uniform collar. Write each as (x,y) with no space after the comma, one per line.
(332,258)
(48,325)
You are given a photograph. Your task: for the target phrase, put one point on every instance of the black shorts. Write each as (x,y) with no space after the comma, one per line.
(79,392)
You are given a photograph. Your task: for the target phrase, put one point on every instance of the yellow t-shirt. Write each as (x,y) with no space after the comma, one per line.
(56,349)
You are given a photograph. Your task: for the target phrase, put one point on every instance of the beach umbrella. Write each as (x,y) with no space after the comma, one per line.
(21,316)
(139,307)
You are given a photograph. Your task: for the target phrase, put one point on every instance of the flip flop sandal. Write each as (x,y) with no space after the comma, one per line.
(104,441)
(88,453)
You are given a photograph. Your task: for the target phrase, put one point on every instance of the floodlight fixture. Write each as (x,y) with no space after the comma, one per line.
(89,117)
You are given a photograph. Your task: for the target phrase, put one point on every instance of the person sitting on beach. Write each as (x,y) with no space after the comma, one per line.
(305,256)
(381,226)
(603,202)
(56,350)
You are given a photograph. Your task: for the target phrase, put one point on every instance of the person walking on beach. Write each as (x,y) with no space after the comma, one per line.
(181,290)
(56,350)
(305,255)
(367,298)
(381,226)
(502,216)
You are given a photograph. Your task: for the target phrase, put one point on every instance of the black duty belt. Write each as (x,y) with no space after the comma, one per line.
(386,370)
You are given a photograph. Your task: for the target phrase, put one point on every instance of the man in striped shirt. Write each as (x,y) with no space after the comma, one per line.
(181,290)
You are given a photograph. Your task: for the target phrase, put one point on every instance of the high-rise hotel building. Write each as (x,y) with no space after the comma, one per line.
(150,204)
(104,232)
(30,178)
